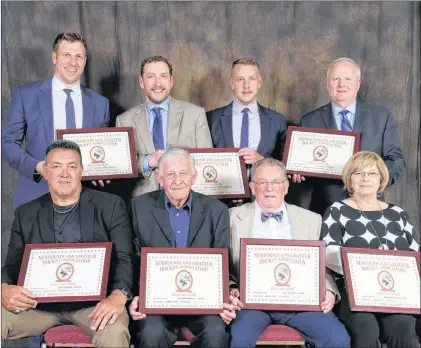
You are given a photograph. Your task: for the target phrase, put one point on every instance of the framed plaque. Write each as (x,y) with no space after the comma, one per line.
(221,173)
(382,280)
(183,280)
(66,272)
(280,274)
(319,152)
(107,153)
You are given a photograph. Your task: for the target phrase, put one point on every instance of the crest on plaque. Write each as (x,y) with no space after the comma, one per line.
(97,154)
(210,173)
(386,281)
(282,274)
(320,153)
(183,281)
(64,272)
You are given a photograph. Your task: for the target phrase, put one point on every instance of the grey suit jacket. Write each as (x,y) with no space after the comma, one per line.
(305,225)
(187,127)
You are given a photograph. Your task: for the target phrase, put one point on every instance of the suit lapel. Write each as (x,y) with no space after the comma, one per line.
(46,222)
(226,126)
(360,117)
(245,221)
(142,129)
(161,216)
(327,117)
(265,124)
(88,108)
(174,123)
(298,230)
(87,217)
(196,218)
(45,100)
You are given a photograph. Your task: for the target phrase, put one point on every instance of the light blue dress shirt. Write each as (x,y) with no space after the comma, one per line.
(336,109)
(254,124)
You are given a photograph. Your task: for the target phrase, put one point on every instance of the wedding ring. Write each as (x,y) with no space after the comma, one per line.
(16,311)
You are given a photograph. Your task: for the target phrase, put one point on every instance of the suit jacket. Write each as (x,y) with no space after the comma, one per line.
(378,134)
(30,118)
(272,129)
(103,218)
(187,127)
(305,225)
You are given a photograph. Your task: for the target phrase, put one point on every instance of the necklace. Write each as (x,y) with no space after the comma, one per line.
(60,211)
(381,245)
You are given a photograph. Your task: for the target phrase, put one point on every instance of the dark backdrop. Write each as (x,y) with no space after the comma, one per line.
(294,42)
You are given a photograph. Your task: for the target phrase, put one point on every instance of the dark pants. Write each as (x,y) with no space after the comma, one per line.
(157,331)
(322,330)
(366,329)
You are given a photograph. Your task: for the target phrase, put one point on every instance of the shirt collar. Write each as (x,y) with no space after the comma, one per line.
(238,108)
(187,204)
(164,105)
(281,208)
(57,85)
(336,109)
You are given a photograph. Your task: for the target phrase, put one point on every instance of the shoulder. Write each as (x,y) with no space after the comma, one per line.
(146,199)
(102,198)
(29,208)
(128,115)
(187,106)
(271,112)
(208,203)
(245,209)
(316,111)
(298,212)
(374,110)
(96,96)
(217,112)
(33,86)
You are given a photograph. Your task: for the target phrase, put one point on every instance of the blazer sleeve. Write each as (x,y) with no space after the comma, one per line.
(106,120)
(13,134)
(203,135)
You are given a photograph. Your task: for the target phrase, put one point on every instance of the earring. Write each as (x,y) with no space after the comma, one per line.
(379,195)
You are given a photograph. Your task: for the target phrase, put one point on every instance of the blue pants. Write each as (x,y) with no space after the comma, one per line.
(322,330)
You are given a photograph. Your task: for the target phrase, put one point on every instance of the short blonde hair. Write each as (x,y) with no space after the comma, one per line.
(361,160)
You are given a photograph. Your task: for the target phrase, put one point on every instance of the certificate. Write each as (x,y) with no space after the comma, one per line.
(382,280)
(282,274)
(107,153)
(319,152)
(183,280)
(221,173)
(66,272)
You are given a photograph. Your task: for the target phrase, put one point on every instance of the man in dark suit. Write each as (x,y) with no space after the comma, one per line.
(345,112)
(179,217)
(38,109)
(69,214)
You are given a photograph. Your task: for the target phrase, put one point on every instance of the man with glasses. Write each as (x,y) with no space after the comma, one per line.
(269,217)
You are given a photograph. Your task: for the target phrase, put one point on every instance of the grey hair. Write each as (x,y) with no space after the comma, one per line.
(172,153)
(268,162)
(64,145)
(344,59)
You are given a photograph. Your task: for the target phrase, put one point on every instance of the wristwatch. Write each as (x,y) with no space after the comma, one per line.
(126,293)
(36,176)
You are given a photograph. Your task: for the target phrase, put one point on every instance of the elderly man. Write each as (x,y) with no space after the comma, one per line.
(69,214)
(161,122)
(271,218)
(345,112)
(179,217)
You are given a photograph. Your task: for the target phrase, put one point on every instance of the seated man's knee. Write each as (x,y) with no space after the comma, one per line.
(339,337)
(213,337)
(153,335)
(116,335)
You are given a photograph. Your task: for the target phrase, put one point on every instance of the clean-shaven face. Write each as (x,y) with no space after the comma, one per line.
(245,83)
(69,60)
(343,83)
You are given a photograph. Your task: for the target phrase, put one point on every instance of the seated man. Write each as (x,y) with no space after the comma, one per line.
(69,214)
(179,217)
(270,217)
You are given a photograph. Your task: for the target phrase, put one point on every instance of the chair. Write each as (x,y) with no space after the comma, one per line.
(66,336)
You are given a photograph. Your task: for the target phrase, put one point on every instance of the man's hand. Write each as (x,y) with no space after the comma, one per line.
(297,178)
(235,294)
(16,298)
(228,314)
(154,158)
(100,183)
(108,310)
(133,309)
(250,156)
(40,168)
(329,302)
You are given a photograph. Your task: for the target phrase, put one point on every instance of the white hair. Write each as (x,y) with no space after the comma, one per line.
(172,153)
(269,162)
(344,59)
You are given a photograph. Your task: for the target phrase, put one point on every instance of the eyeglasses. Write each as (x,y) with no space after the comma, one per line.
(371,175)
(264,184)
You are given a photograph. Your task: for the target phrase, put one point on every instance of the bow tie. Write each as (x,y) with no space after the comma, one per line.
(277,216)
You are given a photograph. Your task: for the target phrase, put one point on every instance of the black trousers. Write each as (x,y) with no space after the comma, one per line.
(365,328)
(157,331)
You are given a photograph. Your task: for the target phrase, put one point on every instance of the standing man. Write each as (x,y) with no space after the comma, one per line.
(345,112)
(161,122)
(38,109)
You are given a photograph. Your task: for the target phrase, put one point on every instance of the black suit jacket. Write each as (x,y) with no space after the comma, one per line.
(272,130)
(103,218)
(378,134)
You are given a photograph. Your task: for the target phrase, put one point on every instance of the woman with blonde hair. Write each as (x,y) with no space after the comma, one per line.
(364,221)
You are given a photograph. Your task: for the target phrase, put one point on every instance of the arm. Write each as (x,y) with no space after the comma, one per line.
(407,229)
(203,135)
(106,121)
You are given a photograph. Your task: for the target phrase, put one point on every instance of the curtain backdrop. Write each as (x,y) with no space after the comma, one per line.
(294,42)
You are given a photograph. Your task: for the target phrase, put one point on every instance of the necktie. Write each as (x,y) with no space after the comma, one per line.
(244,140)
(345,124)
(277,216)
(70,110)
(157,134)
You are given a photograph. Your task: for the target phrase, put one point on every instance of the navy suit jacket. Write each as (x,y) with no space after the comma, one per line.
(378,134)
(272,130)
(30,119)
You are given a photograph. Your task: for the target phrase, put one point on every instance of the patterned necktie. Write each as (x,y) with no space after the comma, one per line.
(70,110)
(277,216)
(244,140)
(345,124)
(157,134)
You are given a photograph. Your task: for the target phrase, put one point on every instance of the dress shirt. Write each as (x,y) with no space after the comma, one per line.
(165,112)
(336,109)
(254,124)
(59,104)
(179,221)
(271,229)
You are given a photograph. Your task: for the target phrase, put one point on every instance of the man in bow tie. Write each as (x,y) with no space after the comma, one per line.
(270,217)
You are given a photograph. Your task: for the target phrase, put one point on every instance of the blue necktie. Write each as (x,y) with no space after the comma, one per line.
(157,134)
(345,124)
(244,140)
(70,110)
(277,216)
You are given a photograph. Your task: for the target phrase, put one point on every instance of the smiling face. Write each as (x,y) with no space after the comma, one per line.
(156,81)
(245,83)
(366,181)
(69,59)
(343,83)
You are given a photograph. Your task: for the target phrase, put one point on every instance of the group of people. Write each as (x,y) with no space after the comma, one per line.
(52,206)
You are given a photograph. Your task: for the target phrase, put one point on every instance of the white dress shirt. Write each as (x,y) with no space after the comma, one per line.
(271,229)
